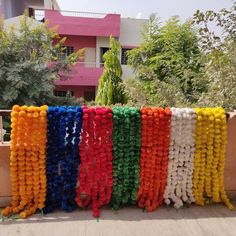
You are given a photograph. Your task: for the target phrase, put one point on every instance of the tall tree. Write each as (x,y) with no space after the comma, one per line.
(111,88)
(168,58)
(29,63)
(220,55)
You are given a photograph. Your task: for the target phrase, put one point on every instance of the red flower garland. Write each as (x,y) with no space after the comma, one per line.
(154,156)
(95,178)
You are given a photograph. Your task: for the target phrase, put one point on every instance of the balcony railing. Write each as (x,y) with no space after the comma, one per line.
(39,14)
(90,64)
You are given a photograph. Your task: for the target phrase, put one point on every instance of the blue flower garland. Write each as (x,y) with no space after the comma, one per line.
(64,127)
(71,159)
(53,159)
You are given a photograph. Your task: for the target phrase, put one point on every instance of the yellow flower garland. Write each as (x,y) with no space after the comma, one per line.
(209,158)
(28,160)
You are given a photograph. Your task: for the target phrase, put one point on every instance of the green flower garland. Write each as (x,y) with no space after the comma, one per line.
(126,155)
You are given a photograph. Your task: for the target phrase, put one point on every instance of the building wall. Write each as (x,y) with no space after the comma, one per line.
(6,8)
(12,8)
(130,37)
(51,4)
(88,43)
(100,42)
(130,31)
(15,21)
(77,90)
(80,42)
(90,57)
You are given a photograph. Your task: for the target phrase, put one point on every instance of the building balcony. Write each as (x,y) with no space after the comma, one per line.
(81,23)
(82,74)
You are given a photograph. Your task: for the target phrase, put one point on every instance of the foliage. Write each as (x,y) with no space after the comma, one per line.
(154,93)
(110,88)
(69,100)
(220,56)
(168,61)
(186,65)
(29,63)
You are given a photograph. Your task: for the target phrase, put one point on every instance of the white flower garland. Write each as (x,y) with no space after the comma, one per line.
(181,157)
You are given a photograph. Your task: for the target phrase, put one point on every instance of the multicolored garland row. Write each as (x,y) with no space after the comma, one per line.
(62,157)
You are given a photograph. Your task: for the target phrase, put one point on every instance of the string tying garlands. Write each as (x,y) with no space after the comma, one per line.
(154,156)
(126,152)
(209,159)
(95,180)
(181,157)
(64,126)
(27,160)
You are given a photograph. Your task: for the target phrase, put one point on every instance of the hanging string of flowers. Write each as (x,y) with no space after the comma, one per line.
(126,152)
(64,126)
(209,159)
(176,155)
(27,160)
(53,158)
(95,180)
(154,156)
(181,157)
(70,161)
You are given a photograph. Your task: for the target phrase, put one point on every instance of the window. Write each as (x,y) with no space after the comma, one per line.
(63,93)
(66,52)
(102,52)
(124,56)
(89,95)
(69,50)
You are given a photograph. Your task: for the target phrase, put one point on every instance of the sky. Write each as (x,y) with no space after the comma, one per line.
(143,8)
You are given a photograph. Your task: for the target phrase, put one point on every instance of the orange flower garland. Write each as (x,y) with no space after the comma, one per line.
(154,157)
(27,160)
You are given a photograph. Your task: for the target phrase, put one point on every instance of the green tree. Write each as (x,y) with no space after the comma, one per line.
(219,55)
(110,87)
(168,58)
(29,63)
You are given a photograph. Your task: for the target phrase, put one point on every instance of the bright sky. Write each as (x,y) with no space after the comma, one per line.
(143,8)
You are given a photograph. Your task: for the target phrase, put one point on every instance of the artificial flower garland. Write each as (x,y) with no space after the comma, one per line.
(53,157)
(181,157)
(27,160)
(209,159)
(64,127)
(95,180)
(33,179)
(154,157)
(126,153)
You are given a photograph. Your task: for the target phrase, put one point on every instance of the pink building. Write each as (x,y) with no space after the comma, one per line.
(91,32)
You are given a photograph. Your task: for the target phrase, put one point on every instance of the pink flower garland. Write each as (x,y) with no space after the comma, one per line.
(95,179)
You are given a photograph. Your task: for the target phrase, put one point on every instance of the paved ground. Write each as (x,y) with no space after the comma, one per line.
(209,221)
